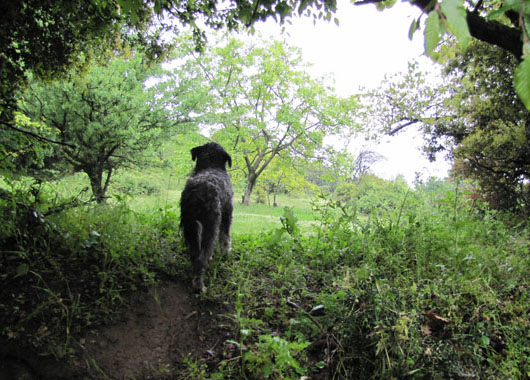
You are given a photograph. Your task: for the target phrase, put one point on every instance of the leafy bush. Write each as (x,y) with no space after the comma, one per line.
(273,356)
(133,185)
(372,194)
(435,286)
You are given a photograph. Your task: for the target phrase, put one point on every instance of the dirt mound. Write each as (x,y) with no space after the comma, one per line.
(162,328)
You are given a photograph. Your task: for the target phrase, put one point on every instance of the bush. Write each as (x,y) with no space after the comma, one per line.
(133,185)
(261,195)
(434,288)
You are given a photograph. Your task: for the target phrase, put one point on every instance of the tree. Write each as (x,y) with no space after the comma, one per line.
(284,175)
(46,36)
(102,120)
(475,116)
(264,104)
(403,100)
(491,127)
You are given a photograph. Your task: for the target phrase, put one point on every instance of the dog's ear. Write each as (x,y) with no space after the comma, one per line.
(195,152)
(229,160)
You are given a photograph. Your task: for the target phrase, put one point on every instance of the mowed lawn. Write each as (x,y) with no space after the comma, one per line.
(255,218)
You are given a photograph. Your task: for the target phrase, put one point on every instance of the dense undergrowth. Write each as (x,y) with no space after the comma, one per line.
(63,272)
(436,287)
(414,284)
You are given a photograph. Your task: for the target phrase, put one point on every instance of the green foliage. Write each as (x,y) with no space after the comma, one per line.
(455,12)
(489,126)
(263,105)
(433,287)
(23,155)
(522,81)
(104,120)
(273,357)
(475,115)
(397,282)
(521,78)
(403,100)
(432,32)
(136,185)
(372,195)
(426,256)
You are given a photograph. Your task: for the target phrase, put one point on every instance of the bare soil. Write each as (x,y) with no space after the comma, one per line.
(165,325)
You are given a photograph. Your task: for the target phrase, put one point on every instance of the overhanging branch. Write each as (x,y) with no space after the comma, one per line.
(36,136)
(402,126)
(489,31)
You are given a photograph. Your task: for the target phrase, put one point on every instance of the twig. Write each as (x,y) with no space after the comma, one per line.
(313,319)
(190,315)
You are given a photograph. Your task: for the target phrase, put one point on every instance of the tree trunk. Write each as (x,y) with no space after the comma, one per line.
(250,183)
(96,183)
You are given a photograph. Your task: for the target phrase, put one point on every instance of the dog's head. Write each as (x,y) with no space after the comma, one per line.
(210,155)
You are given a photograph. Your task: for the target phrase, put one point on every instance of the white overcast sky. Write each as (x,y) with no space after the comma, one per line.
(365,46)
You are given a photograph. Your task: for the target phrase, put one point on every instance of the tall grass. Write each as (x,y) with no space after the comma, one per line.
(436,288)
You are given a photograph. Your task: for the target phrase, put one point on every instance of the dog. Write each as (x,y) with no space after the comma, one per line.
(206,208)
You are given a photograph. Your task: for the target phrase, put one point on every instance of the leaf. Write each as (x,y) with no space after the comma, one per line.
(432,32)
(499,12)
(455,13)
(382,5)
(522,81)
(22,270)
(413,27)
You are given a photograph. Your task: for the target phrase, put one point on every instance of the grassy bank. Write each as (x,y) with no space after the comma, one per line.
(405,284)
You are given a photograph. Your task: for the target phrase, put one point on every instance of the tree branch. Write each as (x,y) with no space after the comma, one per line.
(491,32)
(402,126)
(36,136)
(495,33)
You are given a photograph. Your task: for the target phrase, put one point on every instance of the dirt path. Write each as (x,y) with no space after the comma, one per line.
(163,327)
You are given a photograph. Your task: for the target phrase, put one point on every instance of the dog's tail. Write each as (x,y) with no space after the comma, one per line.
(198,235)
(193,235)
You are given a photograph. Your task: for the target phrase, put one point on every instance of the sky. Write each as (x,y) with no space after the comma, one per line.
(367,45)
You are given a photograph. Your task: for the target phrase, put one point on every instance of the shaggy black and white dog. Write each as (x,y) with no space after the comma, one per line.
(206,208)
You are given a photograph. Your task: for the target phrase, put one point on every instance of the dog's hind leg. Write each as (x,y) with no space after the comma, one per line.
(193,234)
(210,234)
(225,241)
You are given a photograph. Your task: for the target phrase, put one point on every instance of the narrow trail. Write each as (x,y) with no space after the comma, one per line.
(161,329)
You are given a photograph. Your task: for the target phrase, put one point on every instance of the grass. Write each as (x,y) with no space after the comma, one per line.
(259,218)
(407,283)
(162,190)
(255,218)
